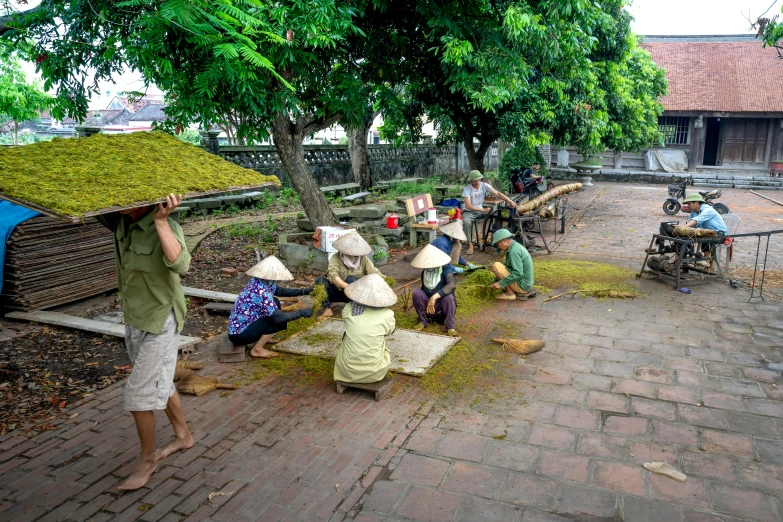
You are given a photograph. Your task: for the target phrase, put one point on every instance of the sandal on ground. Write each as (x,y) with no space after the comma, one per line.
(452,332)
(419,327)
(506,297)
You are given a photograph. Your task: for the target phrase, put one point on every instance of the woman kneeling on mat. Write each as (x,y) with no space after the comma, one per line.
(435,300)
(256,315)
(363,357)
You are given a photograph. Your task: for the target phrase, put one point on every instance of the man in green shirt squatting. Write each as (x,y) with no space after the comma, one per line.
(151,255)
(515,276)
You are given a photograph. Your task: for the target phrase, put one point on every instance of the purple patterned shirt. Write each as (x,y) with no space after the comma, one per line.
(254,302)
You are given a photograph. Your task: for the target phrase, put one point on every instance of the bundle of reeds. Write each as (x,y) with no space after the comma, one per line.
(519,346)
(693,232)
(547,196)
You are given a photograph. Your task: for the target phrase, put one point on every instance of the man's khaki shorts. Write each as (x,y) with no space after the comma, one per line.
(501,269)
(154,358)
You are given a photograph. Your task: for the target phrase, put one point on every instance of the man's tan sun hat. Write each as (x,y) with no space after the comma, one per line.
(371,290)
(352,245)
(473,175)
(454,230)
(693,198)
(270,269)
(430,257)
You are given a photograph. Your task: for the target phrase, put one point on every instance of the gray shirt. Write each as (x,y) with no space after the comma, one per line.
(476,195)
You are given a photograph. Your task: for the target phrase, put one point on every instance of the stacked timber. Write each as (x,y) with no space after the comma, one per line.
(50,262)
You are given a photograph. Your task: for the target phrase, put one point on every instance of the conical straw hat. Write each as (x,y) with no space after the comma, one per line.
(454,229)
(270,269)
(352,245)
(371,290)
(430,257)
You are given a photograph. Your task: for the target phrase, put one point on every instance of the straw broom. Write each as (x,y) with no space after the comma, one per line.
(181,372)
(199,385)
(519,346)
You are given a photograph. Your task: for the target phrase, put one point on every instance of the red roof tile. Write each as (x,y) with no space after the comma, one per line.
(720,76)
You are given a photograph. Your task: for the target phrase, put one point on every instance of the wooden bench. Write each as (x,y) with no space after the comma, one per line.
(341,190)
(359,196)
(415,206)
(380,389)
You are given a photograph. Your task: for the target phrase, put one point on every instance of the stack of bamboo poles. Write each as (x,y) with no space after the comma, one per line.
(547,196)
(50,262)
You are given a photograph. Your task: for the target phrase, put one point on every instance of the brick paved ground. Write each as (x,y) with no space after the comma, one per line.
(689,379)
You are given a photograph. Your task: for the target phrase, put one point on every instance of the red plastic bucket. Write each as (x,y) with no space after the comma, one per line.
(392,221)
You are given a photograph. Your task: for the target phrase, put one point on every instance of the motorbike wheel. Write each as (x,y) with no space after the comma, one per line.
(720,208)
(671,207)
(550,185)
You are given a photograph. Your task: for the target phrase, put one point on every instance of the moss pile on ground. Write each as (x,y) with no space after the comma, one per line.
(75,176)
(390,281)
(590,278)
(460,369)
(473,292)
(318,296)
(302,368)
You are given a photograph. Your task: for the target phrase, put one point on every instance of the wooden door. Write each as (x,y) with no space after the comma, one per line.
(744,142)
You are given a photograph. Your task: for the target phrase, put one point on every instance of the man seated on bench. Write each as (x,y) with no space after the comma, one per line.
(362,356)
(703,216)
(515,277)
(349,264)
(473,195)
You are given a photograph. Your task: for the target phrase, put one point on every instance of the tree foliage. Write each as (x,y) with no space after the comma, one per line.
(20,99)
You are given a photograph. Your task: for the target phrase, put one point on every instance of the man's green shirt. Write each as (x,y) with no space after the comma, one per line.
(520,267)
(149,284)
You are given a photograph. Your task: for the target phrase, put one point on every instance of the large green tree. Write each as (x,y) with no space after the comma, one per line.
(519,70)
(281,65)
(20,99)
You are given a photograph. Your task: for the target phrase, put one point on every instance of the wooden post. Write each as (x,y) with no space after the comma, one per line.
(697,137)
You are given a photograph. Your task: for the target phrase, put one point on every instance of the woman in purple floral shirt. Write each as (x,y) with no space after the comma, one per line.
(256,315)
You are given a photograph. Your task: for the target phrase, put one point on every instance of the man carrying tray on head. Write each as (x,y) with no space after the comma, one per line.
(151,255)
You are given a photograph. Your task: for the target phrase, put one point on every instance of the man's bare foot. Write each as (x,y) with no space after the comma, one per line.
(327,313)
(175,445)
(141,474)
(262,353)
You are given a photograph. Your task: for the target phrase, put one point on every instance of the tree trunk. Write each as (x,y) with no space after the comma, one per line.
(501,150)
(288,142)
(360,161)
(16,132)
(475,162)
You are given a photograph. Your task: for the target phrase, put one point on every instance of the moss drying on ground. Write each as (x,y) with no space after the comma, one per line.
(301,368)
(75,176)
(590,278)
(460,369)
(473,292)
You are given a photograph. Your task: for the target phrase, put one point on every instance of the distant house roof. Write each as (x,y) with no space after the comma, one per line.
(723,73)
(120,102)
(102,118)
(150,113)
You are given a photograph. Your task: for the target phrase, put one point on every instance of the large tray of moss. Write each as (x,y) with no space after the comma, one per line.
(82,177)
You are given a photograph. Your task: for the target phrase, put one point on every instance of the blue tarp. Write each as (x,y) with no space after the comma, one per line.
(10,216)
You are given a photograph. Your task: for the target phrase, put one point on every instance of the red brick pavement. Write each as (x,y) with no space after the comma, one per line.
(688,379)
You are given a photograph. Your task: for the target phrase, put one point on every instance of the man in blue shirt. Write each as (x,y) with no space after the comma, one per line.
(704,216)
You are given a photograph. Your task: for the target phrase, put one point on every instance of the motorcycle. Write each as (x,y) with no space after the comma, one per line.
(532,186)
(672,205)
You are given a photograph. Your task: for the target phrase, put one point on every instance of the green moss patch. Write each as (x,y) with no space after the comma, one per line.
(473,292)
(301,368)
(73,177)
(590,278)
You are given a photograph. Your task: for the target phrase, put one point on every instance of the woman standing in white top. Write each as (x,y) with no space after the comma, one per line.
(473,196)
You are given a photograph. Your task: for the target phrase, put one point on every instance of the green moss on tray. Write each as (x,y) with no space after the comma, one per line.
(73,177)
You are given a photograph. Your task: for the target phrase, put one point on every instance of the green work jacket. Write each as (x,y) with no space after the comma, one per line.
(362,356)
(520,267)
(148,282)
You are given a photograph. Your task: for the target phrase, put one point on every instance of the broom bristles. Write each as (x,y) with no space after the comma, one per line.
(190,365)
(521,347)
(200,384)
(181,372)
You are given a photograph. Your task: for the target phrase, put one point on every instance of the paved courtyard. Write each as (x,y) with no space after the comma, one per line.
(692,380)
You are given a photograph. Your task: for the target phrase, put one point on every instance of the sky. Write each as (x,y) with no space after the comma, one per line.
(698,17)
(652,17)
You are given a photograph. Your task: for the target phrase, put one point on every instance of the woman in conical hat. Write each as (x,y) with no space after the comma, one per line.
(349,264)
(435,300)
(451,243)
(256,315)
(362,356)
